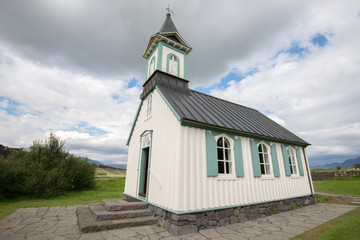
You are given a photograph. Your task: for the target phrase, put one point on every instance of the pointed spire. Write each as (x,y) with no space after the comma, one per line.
(168,25)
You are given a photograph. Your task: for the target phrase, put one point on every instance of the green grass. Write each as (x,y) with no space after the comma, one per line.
(105,189)
(322,198)
(341,186)
(345,227)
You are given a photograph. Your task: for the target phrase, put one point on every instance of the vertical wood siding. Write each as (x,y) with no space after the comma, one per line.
(164,156)
(178,169)
(199,191)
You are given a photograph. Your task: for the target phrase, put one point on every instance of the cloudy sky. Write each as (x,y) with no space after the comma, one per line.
(75,68)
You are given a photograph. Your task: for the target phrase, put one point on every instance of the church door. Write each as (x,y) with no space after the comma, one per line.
(145,164)
(144,172)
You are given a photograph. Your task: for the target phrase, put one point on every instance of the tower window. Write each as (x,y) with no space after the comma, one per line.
(149,106)
(173,65)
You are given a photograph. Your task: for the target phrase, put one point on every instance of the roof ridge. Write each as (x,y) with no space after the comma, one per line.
(223,100)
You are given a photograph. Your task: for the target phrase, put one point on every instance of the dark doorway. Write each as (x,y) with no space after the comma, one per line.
(144,171)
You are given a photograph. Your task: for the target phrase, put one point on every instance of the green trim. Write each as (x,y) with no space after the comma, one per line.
(275,162)
(178,63)
(169,105)
(135,120)
(172,47)
(225,207)
(298,157)
(140,181)
(239,165)
(144,152)
(211,155)
(149,165)
(230,135)
(148,62)
(286,159)
(255,157)
(204,126)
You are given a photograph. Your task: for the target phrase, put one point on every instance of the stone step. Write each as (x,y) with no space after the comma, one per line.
(87,222)
(120,205)
(101,213)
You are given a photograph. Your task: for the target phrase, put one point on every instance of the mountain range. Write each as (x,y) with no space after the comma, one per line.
(347,163)
(119,166)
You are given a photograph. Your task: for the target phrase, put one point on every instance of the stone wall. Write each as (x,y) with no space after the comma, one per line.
(179,224)
(318,176)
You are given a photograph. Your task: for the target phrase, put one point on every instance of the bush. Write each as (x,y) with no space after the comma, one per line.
(46,170)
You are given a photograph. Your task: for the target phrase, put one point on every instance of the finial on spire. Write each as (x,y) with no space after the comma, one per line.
(170,11)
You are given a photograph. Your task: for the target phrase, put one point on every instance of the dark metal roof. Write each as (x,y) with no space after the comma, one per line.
(168,25)
(168,34)
(206,110)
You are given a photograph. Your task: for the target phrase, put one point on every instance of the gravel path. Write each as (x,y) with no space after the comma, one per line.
(60,223)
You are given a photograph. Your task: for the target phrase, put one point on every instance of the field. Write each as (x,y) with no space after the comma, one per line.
(105,189)
(109,172)
(340,186)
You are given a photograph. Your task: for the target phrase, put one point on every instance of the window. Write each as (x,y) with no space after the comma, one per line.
(149,103)
(264,159)
(224,156)
(152,66)
(292,160)
(173,65)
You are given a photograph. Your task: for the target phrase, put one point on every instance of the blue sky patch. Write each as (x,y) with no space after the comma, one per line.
(319,40)
(298,50)
(233,75)
(11,107)
(133,83)
(83,127)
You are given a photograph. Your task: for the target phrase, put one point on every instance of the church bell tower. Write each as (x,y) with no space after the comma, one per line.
(167,51)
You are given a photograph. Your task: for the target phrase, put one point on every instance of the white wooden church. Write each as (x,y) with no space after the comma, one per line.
(190,152)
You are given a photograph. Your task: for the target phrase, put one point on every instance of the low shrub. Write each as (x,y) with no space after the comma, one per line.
(46,170)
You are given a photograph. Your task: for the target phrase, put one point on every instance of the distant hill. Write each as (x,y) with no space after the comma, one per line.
(96,162)
(346,164)
(118,166)
(6,151)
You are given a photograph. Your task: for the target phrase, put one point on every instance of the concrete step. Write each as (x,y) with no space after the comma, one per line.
(120,205)
(87,222)
(101,213)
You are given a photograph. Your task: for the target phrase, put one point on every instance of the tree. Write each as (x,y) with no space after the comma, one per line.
(46,170)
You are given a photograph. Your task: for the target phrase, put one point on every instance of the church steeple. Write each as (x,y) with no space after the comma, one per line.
(167,51)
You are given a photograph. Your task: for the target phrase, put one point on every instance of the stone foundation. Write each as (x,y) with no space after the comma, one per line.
(188,223)
(178,224)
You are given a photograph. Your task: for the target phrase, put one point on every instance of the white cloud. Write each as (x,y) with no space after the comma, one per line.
(54,100)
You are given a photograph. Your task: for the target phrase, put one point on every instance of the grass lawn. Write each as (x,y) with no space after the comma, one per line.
(341,186)
(345,227)
(105,189)
(109,173)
